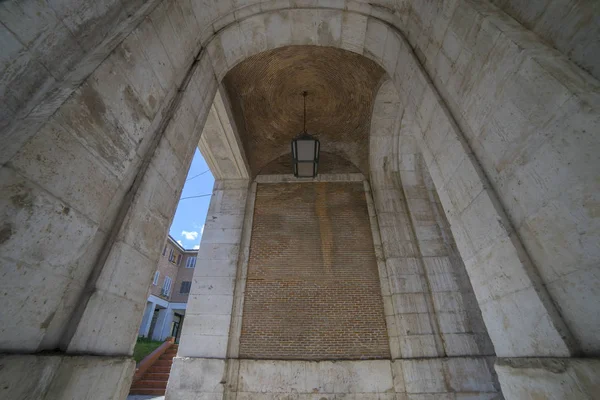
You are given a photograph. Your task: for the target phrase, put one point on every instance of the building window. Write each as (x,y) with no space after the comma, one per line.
(171,255)
(164,250)
(156,276)
(179,259)
(166,289)
(191,262)
(185,287)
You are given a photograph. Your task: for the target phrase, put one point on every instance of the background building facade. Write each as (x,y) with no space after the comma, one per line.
(168,294)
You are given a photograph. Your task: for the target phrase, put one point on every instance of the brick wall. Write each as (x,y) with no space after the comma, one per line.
(313,288)
(166,268)
(183,275)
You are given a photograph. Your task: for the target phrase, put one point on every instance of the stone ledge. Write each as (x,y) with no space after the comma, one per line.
(549,378)
(58,376)
(378,379)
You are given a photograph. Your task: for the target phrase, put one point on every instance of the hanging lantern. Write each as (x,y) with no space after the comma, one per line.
(305,152)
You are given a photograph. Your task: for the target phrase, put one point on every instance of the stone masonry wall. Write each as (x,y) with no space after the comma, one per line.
(313,288)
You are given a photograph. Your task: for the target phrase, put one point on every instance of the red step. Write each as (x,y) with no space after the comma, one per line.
(163,363)
(159,370)
(154,376)
(155,392)
(154,381)
(146,384)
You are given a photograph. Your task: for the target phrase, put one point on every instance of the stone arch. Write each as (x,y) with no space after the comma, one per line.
(397,143)
(386,46)
(478,220)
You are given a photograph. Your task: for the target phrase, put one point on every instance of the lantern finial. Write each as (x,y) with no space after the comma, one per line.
(305,151)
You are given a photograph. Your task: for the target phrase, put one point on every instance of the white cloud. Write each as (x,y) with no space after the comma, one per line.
(201,230)
(190,235)
(181,244)
(196,247)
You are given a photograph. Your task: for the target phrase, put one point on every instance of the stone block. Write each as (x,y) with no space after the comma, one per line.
(484,221)
(465,183)
(407,283)
(211,251)
(32,296)
(576,295)
(87,378)
(196,375)
(156,55)
(27,376)
(221,268)
(424,376)
(468,375)
(65,377)
(212,285)
(393,48)
(414,324)
(342,377)
(192,345)
(126,273)
(34,219)
(404,266)
(354,30)
(461,344)
(499,270)
(91,186)
(375,39)
(433,248)
(129,57)
(279,31)
(217,58)
(208,324)
(233,45)
(109,325)
(552,379)
(453,322)
(410,303)
(448,301)
(165,21)
(254,34)
(329,28)
(438,265)
(304,26)
(221,235)
(443,283)
(506,322)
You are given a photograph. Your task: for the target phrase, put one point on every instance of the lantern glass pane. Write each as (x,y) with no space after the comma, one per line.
(305,169)
(305,150)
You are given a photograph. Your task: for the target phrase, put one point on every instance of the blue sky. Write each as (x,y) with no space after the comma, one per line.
(188,222)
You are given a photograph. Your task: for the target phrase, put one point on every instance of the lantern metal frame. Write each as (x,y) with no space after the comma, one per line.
(305,136)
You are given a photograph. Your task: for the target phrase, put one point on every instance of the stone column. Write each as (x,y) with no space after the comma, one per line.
(165,317)
(200,365)
(147,319)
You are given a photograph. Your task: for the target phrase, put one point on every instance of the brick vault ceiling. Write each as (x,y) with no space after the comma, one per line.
(265,94)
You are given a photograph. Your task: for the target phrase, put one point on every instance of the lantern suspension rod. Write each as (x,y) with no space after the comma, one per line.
(304,94)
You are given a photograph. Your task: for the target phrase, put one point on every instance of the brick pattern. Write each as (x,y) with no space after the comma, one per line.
(329,163)
(313,288)
(166,268)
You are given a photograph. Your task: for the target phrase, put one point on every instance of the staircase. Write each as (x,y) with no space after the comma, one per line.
(154,380)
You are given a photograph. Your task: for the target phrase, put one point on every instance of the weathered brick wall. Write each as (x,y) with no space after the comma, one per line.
(313,289)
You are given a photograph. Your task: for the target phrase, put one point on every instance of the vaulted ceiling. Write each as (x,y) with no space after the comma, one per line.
(265,94)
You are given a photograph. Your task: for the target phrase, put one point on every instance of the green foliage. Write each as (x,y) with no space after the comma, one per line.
(143,347)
